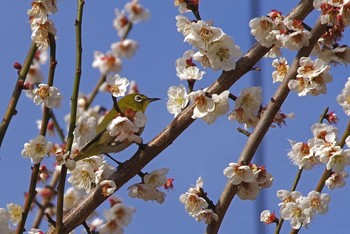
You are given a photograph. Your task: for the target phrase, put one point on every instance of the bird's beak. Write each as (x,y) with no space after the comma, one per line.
(152,99)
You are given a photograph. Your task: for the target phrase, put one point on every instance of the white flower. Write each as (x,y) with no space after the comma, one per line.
(286,196)
(146,192)
(249,100)
(182,5)
(295,40)
(4,218)
(318,202)
(36,149)
(121,213)
(83,177)
(239,173)
(108,187)
(40,32)
(208,215)
(72,197)
(222,54)
(282,67)
(125,48)
(183,24)
(204,104)
(325,132)
(15,212)
(344,98)
(106,62)
(302,155)
(117,85)
(221,107)
(264,30)
(121,22)
(156,178)
(186,69)
(193,203)
(337,162)
(136,12)
(85,129)
(297,214)
(50,95)
(201,34)
(336,180)
(177,99)
(123,128)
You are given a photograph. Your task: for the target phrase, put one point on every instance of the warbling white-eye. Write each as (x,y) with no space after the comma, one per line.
(103,142)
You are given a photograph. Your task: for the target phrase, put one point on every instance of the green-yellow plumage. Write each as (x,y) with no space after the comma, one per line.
(103,142)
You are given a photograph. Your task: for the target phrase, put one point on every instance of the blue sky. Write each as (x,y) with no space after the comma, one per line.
(202,150)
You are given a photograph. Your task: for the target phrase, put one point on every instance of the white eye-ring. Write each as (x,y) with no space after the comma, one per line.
(138,98)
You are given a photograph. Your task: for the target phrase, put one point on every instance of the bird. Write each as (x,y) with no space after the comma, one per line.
(103,142)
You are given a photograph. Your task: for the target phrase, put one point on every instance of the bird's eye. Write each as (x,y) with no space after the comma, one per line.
(138,98)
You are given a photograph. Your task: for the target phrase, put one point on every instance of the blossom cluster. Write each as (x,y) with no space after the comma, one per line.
(148,189)
(323,149)
(300,210)
(90,172)
(248,109)
(250,179)
(40,24)
(111,61)
(196,203)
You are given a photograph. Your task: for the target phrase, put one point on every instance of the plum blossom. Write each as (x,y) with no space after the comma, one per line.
(117,85)
(106,63)
(36,149)
(177,99)
(49,95)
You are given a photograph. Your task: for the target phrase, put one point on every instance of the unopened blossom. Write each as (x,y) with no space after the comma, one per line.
(222,54)
(137,13)
(85,129)
(121,22)
(221,107)
(344,98)
(317,202)
(117,85)
(15,212)
(177,99)
(239,173)
(169,184)
(146,192)
(107,62)
(49,95)
(207,215)
(268,217)
(123,128)
(156,178)
(108,187)
(37,149)
(282,67)
(203,104)
(336,180)
(40,32)
(125,48)
(248,191)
